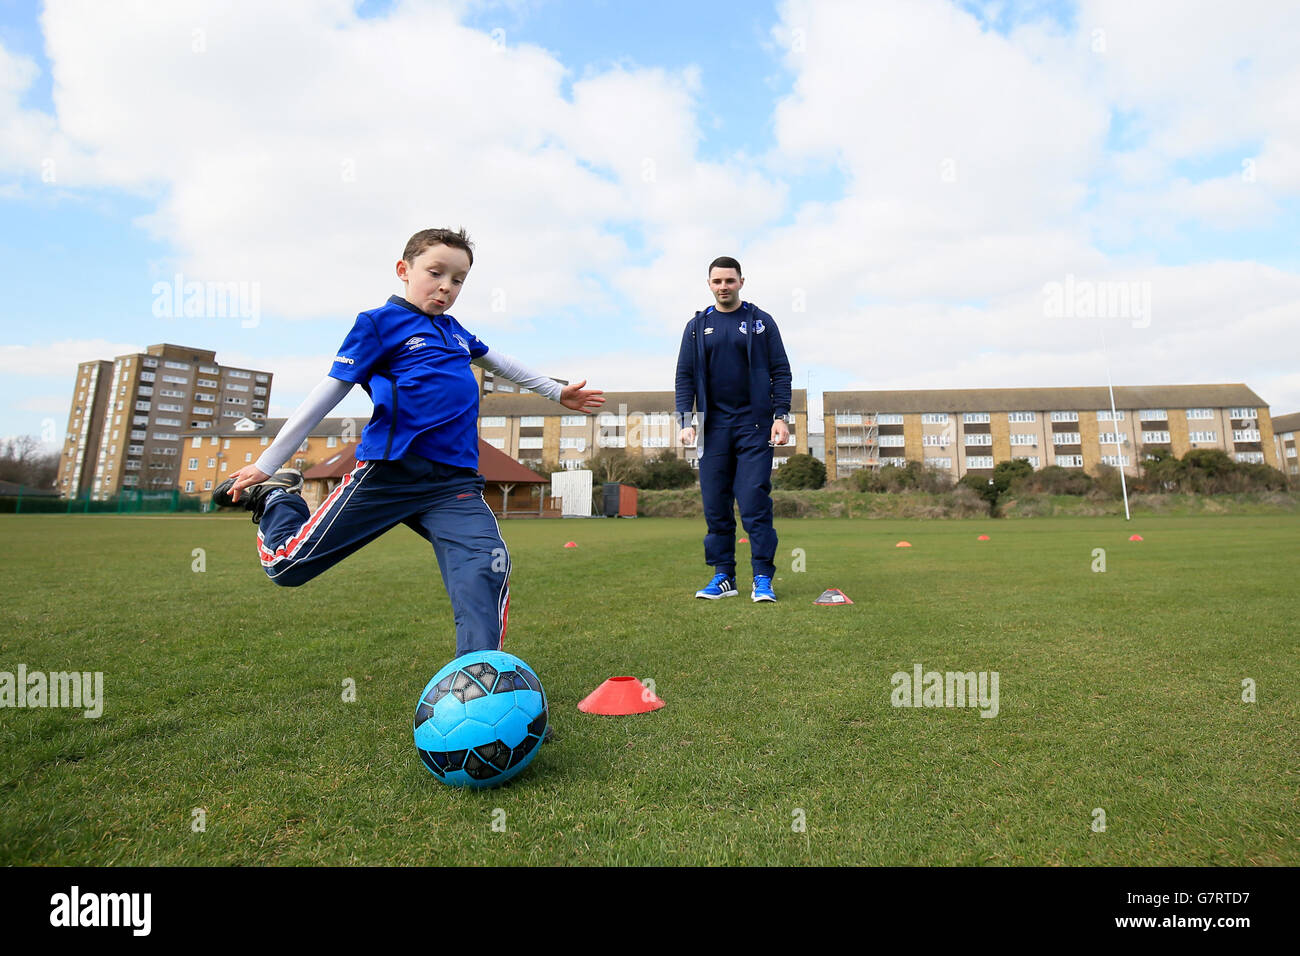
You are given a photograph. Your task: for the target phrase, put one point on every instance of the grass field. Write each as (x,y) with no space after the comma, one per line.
(1120,691)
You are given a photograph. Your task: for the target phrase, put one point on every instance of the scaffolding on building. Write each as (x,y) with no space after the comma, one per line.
(857,441)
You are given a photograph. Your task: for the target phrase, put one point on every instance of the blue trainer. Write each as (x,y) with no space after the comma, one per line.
(722,585)
(763,588)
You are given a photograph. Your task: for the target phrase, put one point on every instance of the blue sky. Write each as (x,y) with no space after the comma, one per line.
(815,159)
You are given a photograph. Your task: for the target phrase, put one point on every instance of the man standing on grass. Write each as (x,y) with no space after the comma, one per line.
(733,372)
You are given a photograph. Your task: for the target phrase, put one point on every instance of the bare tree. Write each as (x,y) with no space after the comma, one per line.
(24,463)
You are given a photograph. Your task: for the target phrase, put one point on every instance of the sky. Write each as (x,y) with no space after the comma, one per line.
(922,193)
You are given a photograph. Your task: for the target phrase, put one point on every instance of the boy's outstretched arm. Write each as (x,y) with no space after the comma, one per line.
(570,396)
(322,400)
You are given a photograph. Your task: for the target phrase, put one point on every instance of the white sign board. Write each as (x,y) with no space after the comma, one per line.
(573,488)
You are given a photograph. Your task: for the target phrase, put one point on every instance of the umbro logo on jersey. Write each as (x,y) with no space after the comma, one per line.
(461,339)
(413,343)
(708,331)
(344,359)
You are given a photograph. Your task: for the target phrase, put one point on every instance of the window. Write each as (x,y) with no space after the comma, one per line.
(189,486)
(170,393)
(1023,438)
(207,383)
(891,441)
(176,380)
(170,408)
(1112,438)
(212,463)
(1020,416)
(1245,434)
(194,464)
(578,444)
(892,418)
(975,418)
(166,436)
(180,365)
(1202,436)
(210,369)
(262,378)
(896,462)
(201,410)
(1156,437)
(498,443)
(1032,459)
(196,443)
(147,376)
(231,373)
(944,463)
(848,419)
(503,387)
(264,440)
(929,441)
(145,392)
(1065,416)
(207,485)
(214,441)
(1065,438)
(149,363)
(172,422)
(139,406)
(532,421)
(979,461)
(1153,414)
(530,443)
(226,445)
(1069,461)
(567,420)
(1105,416)
(1200,414)
(1115,461)
(610,420)
(492,421)
(236,388)
(934,418)
(978,438)
(248,458)
(1242,413)
(611,441)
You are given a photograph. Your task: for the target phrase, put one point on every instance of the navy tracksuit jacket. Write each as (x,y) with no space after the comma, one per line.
(735,457)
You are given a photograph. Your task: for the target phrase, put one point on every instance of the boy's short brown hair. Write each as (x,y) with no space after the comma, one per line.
(433,237)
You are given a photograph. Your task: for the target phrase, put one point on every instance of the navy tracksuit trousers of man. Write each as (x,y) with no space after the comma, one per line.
(445,505)
(736,468)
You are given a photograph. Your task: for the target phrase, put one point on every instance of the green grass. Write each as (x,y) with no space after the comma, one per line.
(1119,690)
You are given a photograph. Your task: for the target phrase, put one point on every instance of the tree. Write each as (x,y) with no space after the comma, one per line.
(800,471)
(610,464)
(23,463)
(665,470)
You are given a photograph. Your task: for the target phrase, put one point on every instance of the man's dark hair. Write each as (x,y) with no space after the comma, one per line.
(725,262)
(433,237)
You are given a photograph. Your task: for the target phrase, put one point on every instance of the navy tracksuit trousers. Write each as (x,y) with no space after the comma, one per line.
(736,468)
(444,505)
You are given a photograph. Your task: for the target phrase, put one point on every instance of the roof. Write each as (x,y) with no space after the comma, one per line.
(651,402)
(1042,399)
(493,465)
(1286,423)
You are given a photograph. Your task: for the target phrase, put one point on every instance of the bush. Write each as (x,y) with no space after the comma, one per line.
(913,476)
(1055,480)
(800,471)
(663,472)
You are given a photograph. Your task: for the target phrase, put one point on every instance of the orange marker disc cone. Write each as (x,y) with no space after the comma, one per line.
(743,541)
(832,596)
(620,696)
(903,544)
(1136,537)
(570,544)
(982,537)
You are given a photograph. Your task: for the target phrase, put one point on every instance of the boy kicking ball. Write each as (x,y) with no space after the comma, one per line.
(418,458)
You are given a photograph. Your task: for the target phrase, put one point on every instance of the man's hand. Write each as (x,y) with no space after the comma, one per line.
(687,436)
(574,397)
(780,433)
(246,477)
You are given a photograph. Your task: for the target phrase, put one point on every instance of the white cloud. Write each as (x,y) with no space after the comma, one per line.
(59,359)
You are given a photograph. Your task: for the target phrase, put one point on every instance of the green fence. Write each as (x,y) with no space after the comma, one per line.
(128,502)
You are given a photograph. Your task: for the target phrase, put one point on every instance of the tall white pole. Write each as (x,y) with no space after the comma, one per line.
(1114,423)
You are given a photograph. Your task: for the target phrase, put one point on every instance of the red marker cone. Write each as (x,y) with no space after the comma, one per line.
(1136,537)
(619,697)
(743,541)
(571,544)
(903,544)
(982,537)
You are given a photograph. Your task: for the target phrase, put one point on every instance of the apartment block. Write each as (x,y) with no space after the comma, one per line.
(490,383)
(533,430)
(960,431)
(208,456)
(1285,430)
(128,416)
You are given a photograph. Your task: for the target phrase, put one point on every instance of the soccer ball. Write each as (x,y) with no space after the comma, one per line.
(480,719)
